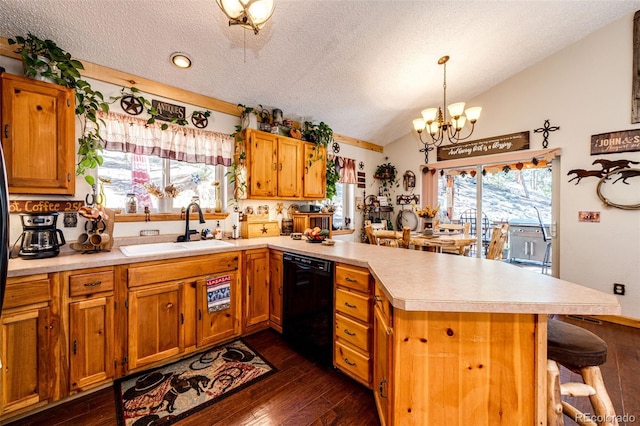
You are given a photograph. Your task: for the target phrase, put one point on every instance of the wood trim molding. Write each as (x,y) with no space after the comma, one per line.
(120,78)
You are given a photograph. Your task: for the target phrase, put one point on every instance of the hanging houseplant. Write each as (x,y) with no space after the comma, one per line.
(333,176)
(320,134)
(387,174)
(45,58)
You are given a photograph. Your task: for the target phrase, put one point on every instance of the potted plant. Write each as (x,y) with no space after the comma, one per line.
(45,58)
(320,134)
(387,174)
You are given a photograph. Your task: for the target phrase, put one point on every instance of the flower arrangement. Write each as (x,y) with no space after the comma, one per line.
(170,191)
(428,212)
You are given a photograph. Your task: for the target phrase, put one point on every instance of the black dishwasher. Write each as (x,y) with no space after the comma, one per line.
(307,308)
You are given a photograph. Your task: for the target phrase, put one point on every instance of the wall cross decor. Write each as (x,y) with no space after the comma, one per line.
(545,132)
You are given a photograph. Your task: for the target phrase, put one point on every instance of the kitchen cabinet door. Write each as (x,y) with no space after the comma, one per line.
(382,366)
(214,327)
(263,165)
(91,358)
(256,289)
(38,136)
(275,288)
(156,319)
(27,357)
(289,168)
(314,177)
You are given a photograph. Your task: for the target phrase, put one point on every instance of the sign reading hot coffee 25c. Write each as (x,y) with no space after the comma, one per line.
(496,145)
(610,143)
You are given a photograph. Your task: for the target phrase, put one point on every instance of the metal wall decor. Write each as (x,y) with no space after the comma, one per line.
(131,105)
(335,147)
(545,132)
(614,172)
(199,119)
(409,180)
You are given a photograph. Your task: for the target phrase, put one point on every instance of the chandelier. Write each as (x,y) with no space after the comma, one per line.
(250,14)
(438,126)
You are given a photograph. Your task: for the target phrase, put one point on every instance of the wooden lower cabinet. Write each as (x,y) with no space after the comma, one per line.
(29,331)
(275,288)
(256,289)
(213,327)
(352,322)
(458,368)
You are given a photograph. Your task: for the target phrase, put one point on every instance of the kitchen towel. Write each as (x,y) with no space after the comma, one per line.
(218,293)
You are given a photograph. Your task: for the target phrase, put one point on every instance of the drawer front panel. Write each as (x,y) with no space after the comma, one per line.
(22,292)
(352,304)
(92,282)
(259,229)
(353,277)
(353,332)
(351,361)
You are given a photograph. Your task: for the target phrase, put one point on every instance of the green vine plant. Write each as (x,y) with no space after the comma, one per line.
(234,172)
(45,58)
(320,134)
(333,176)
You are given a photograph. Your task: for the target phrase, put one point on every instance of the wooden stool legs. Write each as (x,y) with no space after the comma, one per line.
(593,387)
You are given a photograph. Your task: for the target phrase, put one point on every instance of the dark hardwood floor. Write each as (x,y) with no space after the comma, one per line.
(621,371)
(300,393)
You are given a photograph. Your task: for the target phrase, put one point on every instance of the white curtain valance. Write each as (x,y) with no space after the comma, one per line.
(126,133)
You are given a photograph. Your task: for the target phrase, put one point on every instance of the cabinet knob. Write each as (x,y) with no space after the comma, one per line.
(381,388)
(6,130)
(169,305)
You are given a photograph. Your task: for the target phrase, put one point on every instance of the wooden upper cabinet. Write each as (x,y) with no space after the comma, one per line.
(314,177)
(279,167)
(38,136)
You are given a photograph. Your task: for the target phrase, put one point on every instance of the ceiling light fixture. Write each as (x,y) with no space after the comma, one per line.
(435,121)
(250,14)
(180,60)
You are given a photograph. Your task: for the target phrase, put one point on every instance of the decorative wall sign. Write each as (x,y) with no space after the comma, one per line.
(585,216)
(361,180)
(407,199)
(614,142)
(167,111)
(496,145)
(44,206)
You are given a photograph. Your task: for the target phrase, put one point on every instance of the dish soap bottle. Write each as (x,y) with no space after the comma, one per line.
(218,232)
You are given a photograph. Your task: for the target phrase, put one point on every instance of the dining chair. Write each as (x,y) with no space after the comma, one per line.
(368,231)
(469,216)
(498,240)
(383,237)
(452,228)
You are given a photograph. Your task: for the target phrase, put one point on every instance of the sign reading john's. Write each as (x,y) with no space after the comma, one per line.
(496,145)
(610,143)
(168,112)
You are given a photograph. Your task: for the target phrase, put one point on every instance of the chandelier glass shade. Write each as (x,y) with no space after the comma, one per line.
(438,126)
(250,14)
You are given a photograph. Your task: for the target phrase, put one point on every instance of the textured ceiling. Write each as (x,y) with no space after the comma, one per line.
(366,68)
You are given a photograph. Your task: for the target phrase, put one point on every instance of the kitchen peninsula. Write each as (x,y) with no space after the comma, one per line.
(457,339)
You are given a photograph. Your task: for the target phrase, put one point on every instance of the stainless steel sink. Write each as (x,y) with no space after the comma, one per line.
(164,248)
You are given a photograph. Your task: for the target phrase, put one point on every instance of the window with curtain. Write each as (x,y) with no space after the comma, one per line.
(179,163)
(344,200)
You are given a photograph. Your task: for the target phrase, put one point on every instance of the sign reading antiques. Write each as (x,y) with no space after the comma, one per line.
(610,143)
(168,112)
(496,145)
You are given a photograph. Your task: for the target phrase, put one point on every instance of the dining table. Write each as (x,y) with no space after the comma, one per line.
(439,241)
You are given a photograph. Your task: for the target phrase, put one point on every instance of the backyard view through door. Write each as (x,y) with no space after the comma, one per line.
(518,195)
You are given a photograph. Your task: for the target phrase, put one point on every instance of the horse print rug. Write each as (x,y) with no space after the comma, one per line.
(173,392)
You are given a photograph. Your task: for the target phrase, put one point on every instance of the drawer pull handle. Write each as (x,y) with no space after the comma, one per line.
(348,332)
(93,284)
(346,361)
(349,305)
(350,280)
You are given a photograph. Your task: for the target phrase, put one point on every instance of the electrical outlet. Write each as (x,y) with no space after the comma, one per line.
(618,289)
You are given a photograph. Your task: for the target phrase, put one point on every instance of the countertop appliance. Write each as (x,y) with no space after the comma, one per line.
(307,309)
(39,237)
(309,208)
(4,228)
(526,241)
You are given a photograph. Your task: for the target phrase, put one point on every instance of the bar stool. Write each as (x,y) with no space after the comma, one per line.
(582,352)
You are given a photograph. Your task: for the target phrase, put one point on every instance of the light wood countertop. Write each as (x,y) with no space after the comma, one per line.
(413,280)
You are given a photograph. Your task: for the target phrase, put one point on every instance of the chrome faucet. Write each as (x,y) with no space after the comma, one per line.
(187,233)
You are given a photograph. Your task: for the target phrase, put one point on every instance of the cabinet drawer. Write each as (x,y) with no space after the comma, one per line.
(352,304)
(27,290)
(353,332)
(259,229)
(91,282)
(353,277)
(351,361)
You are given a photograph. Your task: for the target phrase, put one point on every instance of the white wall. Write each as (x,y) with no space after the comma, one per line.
(586,89)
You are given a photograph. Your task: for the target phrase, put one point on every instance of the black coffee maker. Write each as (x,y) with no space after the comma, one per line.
(40,235)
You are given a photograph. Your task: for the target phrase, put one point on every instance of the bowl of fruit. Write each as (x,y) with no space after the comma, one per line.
(316,235)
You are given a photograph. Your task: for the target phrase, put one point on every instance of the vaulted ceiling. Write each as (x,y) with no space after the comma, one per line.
(366,68)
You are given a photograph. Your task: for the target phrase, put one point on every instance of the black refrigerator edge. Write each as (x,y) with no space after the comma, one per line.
(4,227)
